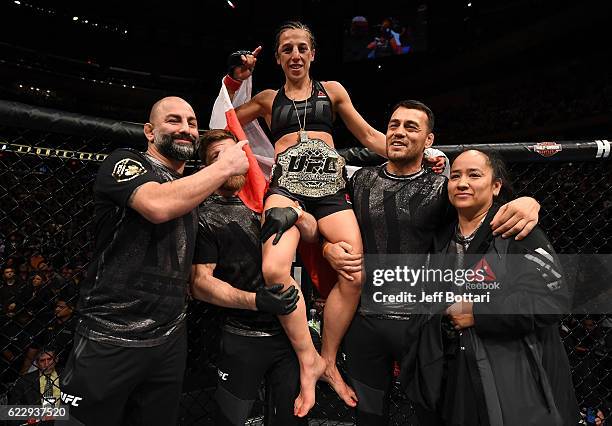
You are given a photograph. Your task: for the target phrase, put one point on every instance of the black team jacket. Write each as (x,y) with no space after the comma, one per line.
(510,368)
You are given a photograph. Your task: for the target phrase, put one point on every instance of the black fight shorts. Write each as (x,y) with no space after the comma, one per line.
(318,207)
(313,174)
(111,385)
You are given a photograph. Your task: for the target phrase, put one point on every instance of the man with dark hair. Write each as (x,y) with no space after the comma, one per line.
(11,290)
(418,106)
(130,341)
(54,281)
(60,333)
(69,287)
(227,272)
(399,206)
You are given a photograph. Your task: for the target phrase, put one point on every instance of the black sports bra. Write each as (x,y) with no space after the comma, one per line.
(319,114)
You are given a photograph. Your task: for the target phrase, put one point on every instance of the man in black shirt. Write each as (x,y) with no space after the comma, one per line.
(60,333)
(130,340)
(399,206)
(11,290)
(227,272)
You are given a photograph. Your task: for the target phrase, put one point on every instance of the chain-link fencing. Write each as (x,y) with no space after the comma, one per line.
(46,240)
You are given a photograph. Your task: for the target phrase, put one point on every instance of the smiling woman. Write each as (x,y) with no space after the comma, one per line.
(505,360)
(308,170)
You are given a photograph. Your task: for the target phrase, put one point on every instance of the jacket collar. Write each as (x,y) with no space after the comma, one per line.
(482,240)
(484,236)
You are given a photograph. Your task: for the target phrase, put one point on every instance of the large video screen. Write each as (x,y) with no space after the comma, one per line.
(367,38)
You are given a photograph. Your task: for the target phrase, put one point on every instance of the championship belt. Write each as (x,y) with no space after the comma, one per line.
(311,169)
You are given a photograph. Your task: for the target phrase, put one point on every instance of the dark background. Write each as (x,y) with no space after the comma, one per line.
(492,71)
(495,71)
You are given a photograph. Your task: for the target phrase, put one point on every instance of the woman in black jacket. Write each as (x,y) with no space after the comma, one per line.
(506,364)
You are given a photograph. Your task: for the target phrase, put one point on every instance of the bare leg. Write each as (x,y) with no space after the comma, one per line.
(277,260)
(342,301)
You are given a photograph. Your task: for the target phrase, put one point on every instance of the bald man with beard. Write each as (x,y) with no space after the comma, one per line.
(130,343)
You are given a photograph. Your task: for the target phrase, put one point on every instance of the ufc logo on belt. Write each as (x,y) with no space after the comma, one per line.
(309,164)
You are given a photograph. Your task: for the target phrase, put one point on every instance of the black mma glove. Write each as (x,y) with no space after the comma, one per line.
(278,220)
(234,61)
(271,300)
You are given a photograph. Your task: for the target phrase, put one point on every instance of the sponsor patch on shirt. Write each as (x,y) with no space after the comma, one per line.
(128,169)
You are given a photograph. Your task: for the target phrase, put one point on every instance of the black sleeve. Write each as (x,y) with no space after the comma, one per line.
(536,296)
(17,394)
(354,181)
(121,173)
(350,185)
(206,250)
(361,156)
